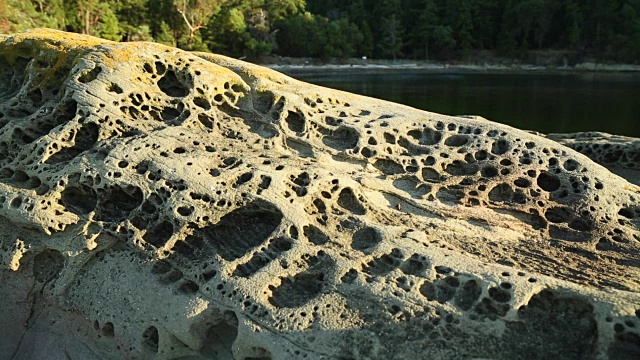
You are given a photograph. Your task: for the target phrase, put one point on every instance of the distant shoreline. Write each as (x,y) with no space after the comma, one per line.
(382,66)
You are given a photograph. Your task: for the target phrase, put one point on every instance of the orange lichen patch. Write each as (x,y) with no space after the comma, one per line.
(267,80)
(250,70)
(55,51)
(58,38)
(120,54)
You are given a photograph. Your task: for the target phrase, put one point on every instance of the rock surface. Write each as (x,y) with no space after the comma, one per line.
(163,204)
(620,154)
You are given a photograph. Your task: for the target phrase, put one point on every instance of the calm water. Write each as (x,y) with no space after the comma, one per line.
(542,102)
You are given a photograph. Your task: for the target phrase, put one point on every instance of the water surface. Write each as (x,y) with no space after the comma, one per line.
(545,102)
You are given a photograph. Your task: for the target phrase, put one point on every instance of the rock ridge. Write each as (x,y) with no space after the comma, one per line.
(157,203)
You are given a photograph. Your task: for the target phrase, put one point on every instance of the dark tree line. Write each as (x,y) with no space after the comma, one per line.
(408,29)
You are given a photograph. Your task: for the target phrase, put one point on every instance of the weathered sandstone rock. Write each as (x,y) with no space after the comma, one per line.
(620,154)
(163,204)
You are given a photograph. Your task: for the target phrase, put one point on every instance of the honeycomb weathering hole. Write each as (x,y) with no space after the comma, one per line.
(302,288)
(79,199)
(348,200)
(456,140)
(566,326)
(84,140)
(150,339)
(548,182)
(241,230)
(315,235)
(171,85)
(90,75)
(295,121)
(47,265)
(365,238)
(222,335)
(342,138)
(501,193)
(116,203)
(159,234)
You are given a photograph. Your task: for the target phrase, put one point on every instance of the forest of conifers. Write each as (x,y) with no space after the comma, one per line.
(605,30)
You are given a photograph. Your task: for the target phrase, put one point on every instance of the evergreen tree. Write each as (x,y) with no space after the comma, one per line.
(108,26)
(428,22)
(16,15)
(392,31)
(296,35)
(133,19)
(164,35)
(574,23)
(87,15)
(506,42)
(366,45)
(51,13)
(627,38)
(486,15)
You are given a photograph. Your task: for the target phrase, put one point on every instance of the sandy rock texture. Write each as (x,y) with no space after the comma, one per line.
(620,154)
(160,204)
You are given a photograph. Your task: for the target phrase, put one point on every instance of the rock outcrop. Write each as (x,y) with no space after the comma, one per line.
(620,154)
(162,204)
